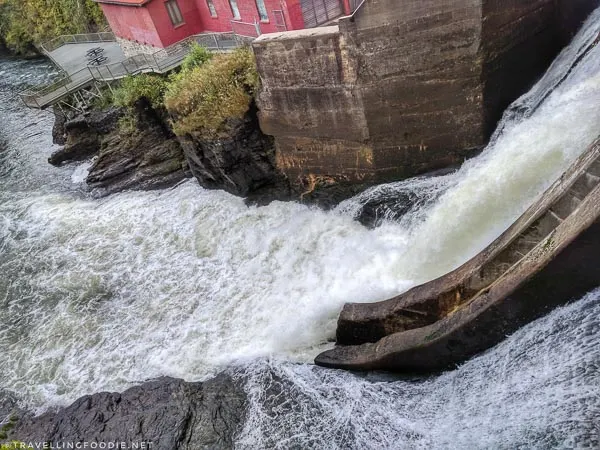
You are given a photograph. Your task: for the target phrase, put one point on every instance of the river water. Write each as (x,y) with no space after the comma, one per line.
(102,294)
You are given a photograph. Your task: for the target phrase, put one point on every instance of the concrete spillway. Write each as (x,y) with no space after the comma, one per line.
(549,256)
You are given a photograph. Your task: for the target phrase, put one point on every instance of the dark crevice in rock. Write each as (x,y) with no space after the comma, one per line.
(240,160)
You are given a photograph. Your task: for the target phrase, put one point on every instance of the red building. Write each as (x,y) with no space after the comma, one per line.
(147,25)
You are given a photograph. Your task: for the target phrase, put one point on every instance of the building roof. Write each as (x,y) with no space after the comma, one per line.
(125,2)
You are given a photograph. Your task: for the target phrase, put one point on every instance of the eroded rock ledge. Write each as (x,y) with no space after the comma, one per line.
(169,413)
(146,154)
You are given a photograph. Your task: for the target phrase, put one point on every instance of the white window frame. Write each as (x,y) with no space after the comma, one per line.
(211,8)
(262,10)
(174,13)
(234,9)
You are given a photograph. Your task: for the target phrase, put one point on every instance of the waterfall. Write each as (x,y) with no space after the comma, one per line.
(102,294)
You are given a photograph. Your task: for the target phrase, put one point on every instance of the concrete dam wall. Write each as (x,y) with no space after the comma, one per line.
(402,88)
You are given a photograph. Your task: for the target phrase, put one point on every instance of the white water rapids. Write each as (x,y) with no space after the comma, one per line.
(99,294)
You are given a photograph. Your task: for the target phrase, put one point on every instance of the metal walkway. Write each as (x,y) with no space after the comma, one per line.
(161,62)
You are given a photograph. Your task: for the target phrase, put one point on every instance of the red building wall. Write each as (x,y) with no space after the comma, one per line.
(249,13)
(168,33)
(293,13)
(150,24)
(132,22)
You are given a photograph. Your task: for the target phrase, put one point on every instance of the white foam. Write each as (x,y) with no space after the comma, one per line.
(81,172)
(98,294)
(539,389)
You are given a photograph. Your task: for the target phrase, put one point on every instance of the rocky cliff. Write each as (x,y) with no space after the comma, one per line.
(138,150)
(142,155)
(239,160)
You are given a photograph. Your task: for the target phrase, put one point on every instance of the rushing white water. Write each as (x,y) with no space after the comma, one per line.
(99,294)
(539,389)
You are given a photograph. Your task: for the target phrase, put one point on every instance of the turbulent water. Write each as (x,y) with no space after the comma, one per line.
(99,294)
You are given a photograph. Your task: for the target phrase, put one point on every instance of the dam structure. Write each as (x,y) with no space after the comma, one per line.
(403,88)
(547,257)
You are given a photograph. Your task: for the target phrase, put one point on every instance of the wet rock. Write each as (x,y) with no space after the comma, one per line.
(58,129)
(328,194)
(145,156)
(169,413)
(8,407)
(82,134)
(241,161)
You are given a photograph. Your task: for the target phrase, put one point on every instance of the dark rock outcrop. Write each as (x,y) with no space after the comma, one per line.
(58,129)
(240,160)
(169,413)
(147,156)
(83,134)
(143,155)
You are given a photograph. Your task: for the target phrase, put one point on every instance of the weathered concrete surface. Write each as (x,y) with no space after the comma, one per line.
(309,101)
(404,87)
(168,413)
(549,256)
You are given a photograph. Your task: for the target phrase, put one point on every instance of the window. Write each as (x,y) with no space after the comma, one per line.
(174,12)
(234,9)
(262,10)
(211,7)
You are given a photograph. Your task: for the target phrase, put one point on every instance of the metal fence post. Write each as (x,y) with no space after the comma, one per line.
(257,26)
(110,71)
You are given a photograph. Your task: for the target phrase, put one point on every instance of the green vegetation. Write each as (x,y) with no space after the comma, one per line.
(128,124)
(132,88)
(208,90)
(25,22)
(203,98)
(197,56)
(4,429)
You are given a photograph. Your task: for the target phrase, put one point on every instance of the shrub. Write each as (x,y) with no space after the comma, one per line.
(197,56)
(201,99)
(128,124)
(132,88)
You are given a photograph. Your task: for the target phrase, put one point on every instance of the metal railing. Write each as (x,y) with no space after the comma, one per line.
(248,29)
(160,61)
(279,18)
(55,43)
(356,8)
